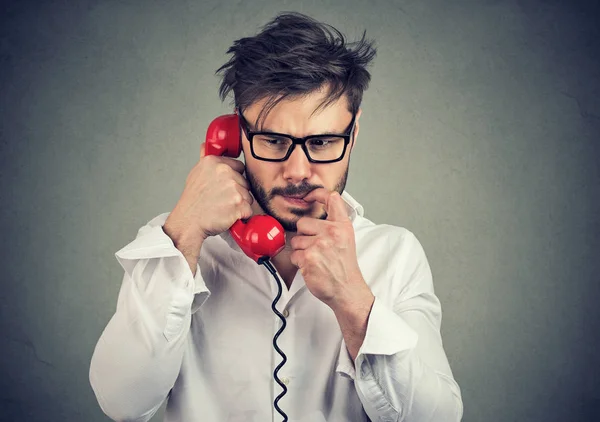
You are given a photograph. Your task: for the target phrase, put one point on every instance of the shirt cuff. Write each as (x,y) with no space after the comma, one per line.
(387,334)
(153,242)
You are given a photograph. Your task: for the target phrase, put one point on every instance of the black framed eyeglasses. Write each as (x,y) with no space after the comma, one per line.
(273,146)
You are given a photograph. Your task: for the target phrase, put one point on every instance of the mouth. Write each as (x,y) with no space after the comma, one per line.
(297,200)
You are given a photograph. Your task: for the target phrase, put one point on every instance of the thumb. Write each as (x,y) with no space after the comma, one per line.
(336,209)
(202,149)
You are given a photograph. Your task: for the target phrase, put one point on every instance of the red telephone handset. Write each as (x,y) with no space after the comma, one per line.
(261,236)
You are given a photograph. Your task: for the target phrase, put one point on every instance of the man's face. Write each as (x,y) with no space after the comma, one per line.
(271,183)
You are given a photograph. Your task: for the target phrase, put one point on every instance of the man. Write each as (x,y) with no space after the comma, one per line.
(194,323)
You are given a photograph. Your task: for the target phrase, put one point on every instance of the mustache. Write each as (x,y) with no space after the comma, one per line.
(294,190)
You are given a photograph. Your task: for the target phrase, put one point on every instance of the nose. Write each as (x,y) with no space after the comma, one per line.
(297,167)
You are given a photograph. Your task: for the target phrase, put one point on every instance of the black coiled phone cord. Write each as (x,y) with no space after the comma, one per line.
(272,270)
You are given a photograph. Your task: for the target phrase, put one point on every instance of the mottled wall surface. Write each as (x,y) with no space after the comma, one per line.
(480,133)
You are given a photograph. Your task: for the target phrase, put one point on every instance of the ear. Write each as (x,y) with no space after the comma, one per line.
(356,127)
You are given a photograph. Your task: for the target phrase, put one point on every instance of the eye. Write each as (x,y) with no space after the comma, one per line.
(271,142)
(275,141)
(323,143)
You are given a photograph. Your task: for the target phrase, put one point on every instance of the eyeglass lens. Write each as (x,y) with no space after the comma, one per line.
(319,149)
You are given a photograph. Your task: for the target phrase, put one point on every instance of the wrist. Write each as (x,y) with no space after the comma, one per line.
(355,301)
(186,239)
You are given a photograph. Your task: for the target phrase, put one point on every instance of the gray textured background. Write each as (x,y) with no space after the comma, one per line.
(480,133)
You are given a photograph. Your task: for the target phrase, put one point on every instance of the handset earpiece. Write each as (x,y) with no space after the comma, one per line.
(261,236)
(223,136)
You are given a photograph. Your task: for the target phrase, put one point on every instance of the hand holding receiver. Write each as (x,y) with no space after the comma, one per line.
(214,197)
(262,236)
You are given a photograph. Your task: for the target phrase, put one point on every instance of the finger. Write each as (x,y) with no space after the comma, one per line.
(297,259)
(240,180)
(334,204)
(310,226)
(235,164)
(202,149)
(336,208)
(245,211)
(245,194)
(300,242)
(318,195)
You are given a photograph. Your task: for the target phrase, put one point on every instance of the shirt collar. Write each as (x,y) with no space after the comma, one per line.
(352,206)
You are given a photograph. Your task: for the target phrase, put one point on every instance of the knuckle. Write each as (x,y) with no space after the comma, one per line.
(238,198)
(294,243)
(245,211)
(322,243)
(310,255)
(221,168)
(333,232)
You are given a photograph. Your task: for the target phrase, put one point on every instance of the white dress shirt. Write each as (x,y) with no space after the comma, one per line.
(205,343)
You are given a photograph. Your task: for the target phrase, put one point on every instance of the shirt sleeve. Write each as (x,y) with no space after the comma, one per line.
(139,354)
(402,372)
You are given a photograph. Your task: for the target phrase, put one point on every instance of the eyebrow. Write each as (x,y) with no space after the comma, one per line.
(253,128)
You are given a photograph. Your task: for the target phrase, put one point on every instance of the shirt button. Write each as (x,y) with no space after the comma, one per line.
(286,313)
(286,381)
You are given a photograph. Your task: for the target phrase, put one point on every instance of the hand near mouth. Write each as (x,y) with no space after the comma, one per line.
(325,252)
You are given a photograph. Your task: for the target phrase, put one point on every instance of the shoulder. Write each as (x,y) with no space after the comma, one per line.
(394,258)
(397,239)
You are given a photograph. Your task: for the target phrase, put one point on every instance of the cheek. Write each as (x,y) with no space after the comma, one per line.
(330,177)
(264,174)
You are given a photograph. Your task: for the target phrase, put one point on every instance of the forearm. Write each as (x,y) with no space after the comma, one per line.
(352,314)
(138,356)
(400,370)
(133,366)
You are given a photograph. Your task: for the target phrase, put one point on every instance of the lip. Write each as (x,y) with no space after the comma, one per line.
(296,200)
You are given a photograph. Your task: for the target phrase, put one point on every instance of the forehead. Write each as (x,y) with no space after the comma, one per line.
(299,116)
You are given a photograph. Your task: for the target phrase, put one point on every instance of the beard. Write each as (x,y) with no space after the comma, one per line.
(264,198)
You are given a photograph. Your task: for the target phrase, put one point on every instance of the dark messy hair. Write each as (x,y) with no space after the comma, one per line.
(294,56)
